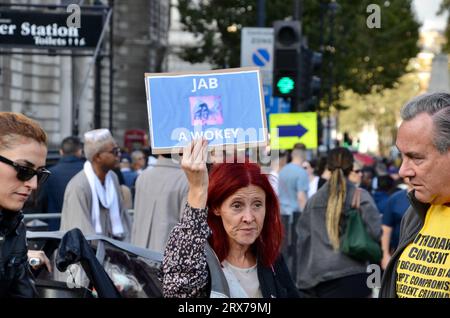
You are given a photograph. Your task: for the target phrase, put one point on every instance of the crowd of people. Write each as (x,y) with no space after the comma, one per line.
(274,235)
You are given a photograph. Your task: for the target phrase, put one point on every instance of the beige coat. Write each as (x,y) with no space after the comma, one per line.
(161,195)
(76,211)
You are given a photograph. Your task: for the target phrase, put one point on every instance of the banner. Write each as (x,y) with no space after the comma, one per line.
(288,129)
(224,106)
(42,30)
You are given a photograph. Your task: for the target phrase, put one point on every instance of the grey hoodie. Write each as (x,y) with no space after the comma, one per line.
(317,261)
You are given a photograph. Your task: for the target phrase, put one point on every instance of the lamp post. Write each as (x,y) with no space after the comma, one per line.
(332,9)
(261,13)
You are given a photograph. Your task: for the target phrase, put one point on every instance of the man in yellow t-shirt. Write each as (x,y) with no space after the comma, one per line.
(420,267)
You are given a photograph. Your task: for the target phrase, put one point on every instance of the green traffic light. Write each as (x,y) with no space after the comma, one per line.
(285,85)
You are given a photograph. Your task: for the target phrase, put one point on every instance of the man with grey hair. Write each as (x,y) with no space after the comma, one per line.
(92,200)
(420,267)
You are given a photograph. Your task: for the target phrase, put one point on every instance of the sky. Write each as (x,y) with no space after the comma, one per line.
(426,14)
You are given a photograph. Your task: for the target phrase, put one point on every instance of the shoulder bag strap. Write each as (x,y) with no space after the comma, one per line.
(356,200)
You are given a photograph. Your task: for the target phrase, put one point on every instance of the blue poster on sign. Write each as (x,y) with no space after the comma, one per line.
(224,106)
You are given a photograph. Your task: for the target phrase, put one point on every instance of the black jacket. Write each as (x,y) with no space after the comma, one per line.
(73,249)
(16,279)
(412,223)
(276,281)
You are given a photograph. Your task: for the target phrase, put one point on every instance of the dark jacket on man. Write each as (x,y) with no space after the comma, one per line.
(411,224)
(53,190)
(16,279)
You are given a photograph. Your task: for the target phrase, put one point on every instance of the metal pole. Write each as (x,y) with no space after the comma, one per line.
(295,101)
(261,13)
(111,67)
(323,7)
(98,93)
(75,127)
(296,10)
(332,9)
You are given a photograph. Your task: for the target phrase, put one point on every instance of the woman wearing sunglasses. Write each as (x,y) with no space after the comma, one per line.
(23,149)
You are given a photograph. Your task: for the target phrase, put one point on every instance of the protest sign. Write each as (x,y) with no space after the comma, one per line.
(224,106)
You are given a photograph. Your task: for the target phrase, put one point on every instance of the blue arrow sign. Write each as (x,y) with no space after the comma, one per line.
(291,131)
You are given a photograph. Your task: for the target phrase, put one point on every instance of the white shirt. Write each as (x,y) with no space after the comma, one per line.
(313,186)
(243,282)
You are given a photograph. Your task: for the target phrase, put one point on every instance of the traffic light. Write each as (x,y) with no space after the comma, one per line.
(310,83)
(287,38)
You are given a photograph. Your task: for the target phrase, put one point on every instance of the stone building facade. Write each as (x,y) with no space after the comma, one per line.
(47,88)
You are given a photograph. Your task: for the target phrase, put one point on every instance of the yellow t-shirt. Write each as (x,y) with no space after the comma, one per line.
(423,269)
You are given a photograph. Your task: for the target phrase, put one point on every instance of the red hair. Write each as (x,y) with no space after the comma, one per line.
(14,125)
(224,180)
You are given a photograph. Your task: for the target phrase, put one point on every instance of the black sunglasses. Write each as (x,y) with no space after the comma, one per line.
(26,173)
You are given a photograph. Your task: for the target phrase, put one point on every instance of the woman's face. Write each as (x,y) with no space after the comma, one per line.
(13,192)
(355,176)
(307,166)
(243,215)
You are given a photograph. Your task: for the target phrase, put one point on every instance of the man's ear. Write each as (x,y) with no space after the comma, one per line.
(96,157)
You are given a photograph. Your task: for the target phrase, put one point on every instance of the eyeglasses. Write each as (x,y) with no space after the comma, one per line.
(115,151)
(26,173)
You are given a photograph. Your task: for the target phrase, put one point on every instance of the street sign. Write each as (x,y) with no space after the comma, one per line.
(290,128)
(257,50)
(292,131)
(261,57)
(45,30)
(224,106)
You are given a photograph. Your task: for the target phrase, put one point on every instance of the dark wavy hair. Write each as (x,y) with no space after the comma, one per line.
(227,178)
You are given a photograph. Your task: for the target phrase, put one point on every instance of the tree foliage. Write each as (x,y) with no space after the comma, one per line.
(361,58)
(381,109)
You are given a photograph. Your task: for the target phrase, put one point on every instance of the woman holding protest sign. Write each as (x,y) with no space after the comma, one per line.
(236,212)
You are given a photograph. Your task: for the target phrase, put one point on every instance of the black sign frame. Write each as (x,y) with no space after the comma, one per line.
(46,30)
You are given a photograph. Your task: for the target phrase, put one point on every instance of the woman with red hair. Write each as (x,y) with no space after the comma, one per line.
(236,211)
